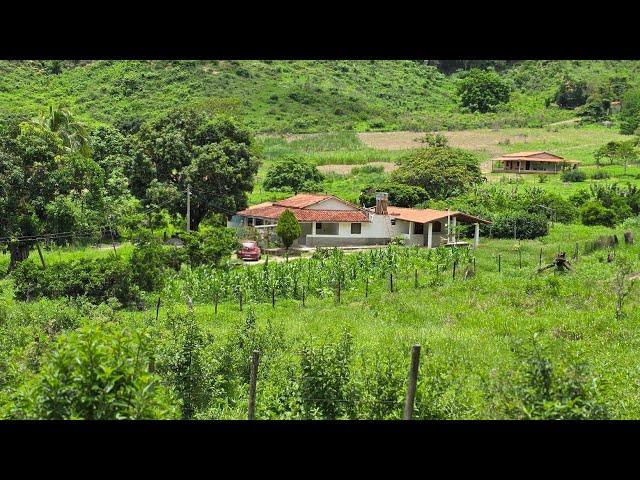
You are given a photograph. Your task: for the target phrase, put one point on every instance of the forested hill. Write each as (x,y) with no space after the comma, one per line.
(297,96)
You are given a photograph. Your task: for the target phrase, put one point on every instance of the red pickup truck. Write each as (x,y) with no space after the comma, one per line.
(249,251)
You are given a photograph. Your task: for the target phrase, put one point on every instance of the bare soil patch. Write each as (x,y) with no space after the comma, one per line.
(484,140)
(346,169)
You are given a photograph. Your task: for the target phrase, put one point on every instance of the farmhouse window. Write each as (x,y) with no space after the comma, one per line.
(393,221)
(356,228)
(437,227)
(318,226)
(250,221)
(418,228)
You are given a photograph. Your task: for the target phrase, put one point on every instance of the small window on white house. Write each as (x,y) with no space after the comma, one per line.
(318,226)
(250,221)
(356,228)
(393,221)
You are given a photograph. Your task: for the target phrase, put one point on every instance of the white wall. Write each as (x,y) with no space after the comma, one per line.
(329,204)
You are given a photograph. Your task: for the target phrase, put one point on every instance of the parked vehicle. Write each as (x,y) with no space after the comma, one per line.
(249,251)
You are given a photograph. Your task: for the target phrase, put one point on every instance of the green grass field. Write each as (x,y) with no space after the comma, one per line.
(468,328)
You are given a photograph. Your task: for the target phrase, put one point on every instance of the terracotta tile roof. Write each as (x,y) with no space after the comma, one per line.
(525,154)
(426,215)
(273,212)
(528,156)
(301,200)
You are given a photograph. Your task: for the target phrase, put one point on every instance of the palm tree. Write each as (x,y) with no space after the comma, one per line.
(61,121)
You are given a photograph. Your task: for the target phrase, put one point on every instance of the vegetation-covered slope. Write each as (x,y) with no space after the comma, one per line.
(292,96)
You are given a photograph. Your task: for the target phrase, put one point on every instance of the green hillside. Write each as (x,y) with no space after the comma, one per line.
(293,96)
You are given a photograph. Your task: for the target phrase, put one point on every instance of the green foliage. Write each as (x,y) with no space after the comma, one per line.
(99,372)
(212,155)
(520,225)
(483,91)
(324,386)
(99,280)
(288,228)
(571,93)
(541,389)
(630,111)
(574,175)
(400,195)
(600,175)
(617,152)
(181,364)
(594,212)
(210,245)
(441,171)
(292,174)
(435,140)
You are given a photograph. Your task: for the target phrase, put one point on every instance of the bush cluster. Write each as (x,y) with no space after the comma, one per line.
(98,280)
(521,225)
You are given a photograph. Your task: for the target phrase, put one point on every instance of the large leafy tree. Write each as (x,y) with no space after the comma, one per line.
(36,169)
(483,91)
(214,156)
(292,174)
(441,171)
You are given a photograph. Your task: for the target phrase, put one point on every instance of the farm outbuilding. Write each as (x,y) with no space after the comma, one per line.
(328,221)
(532,162)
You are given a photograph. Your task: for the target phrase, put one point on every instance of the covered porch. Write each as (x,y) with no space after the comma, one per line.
(437,233)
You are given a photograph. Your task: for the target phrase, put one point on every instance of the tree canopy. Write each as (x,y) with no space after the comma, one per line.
(441,171)
(293,174)
(483,91)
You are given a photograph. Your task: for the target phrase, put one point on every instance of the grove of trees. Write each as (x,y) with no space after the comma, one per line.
(54,177)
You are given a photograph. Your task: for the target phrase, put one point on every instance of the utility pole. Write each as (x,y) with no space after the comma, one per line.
(189,208)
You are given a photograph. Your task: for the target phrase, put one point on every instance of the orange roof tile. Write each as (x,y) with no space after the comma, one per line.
(426,215)
(273,212)
(301,200)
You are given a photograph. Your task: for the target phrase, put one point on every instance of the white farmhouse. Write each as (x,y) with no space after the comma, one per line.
(328,221)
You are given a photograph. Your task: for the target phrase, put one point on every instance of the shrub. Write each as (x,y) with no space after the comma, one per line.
(324,387)
(150,259)
(520,224)
(574,175)
(630,111)
(540,388)
(99,372)
(594,212)
(98,280)
(209,245)
(600,175)
(288,228)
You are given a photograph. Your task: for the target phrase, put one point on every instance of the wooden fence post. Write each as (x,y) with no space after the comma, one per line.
(366,287)
(255,356)
(391,282)
(499,263)
(157,309)
(40,254)
(215,304)
(455,264)
(413,383)
(415,279)
(303,295)
(540,260)
(519,258)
